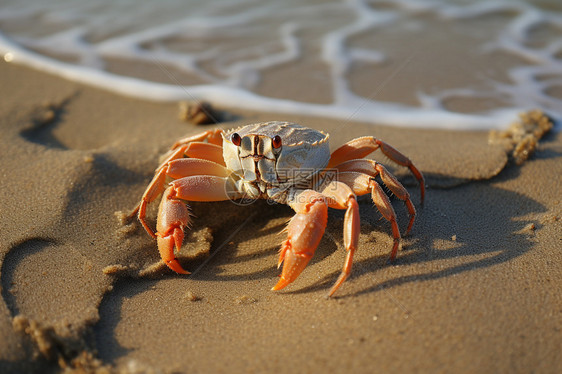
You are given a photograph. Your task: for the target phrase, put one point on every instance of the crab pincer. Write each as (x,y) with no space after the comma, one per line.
(304,233)
(173,216)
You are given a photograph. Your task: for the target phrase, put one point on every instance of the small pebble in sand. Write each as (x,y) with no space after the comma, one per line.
(454,238)
(190,296)
(49,116)
(9,57)
(245,299)
(197,112)
(530,227)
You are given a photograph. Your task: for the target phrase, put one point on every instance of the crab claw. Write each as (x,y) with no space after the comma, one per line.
(172,218)
(166,247)
(304,233)
(294,265)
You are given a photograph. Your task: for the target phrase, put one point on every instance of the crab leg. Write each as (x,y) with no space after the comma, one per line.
(173,214)
(373,168)
(304,231)
(340,196)
(207,154)
(207,151)
(211,136)
(361,147)
(363,184)
(175,168)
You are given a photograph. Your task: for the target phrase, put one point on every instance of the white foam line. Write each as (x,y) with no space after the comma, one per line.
(526,92)
(373,112)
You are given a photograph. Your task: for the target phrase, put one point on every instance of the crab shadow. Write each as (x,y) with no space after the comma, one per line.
(487,231)
(485,236)
(246,224)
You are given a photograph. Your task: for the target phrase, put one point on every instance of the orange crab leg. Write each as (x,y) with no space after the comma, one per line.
(361,147)
(204,188)
(173,214)
(304,231)
(197,150)
(340,196)
(175,168)
(186,167)
(373,168)
(363,184)
(207,151)
(211,136)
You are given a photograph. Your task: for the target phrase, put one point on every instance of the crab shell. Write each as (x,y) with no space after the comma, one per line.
(264,169)
(270,161)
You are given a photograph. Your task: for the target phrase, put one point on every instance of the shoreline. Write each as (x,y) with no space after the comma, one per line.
(395,114)
(474,289)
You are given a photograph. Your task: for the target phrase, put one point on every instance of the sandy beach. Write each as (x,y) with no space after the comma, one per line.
(475,288)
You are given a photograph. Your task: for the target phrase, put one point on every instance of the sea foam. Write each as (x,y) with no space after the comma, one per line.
(222,51)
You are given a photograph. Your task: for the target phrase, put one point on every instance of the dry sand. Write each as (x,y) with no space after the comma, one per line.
(476,288)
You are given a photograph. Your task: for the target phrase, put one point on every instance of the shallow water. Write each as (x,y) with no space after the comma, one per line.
(440,64)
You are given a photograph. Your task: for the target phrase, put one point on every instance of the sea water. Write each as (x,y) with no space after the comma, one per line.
(416,63)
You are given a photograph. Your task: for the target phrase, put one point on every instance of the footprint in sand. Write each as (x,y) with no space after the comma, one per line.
(35,283)
(60,125)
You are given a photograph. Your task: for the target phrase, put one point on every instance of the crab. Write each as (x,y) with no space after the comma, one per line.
(286,163)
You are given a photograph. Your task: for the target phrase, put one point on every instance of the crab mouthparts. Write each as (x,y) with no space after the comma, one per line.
(257,157)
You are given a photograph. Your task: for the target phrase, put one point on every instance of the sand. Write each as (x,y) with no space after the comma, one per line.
(476,287)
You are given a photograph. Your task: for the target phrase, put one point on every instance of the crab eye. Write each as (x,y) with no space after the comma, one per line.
(276,141)
(236,139)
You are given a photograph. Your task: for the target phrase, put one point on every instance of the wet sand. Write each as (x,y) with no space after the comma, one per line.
(475,288)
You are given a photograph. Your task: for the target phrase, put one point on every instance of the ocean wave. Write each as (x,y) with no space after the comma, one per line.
(437,64)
